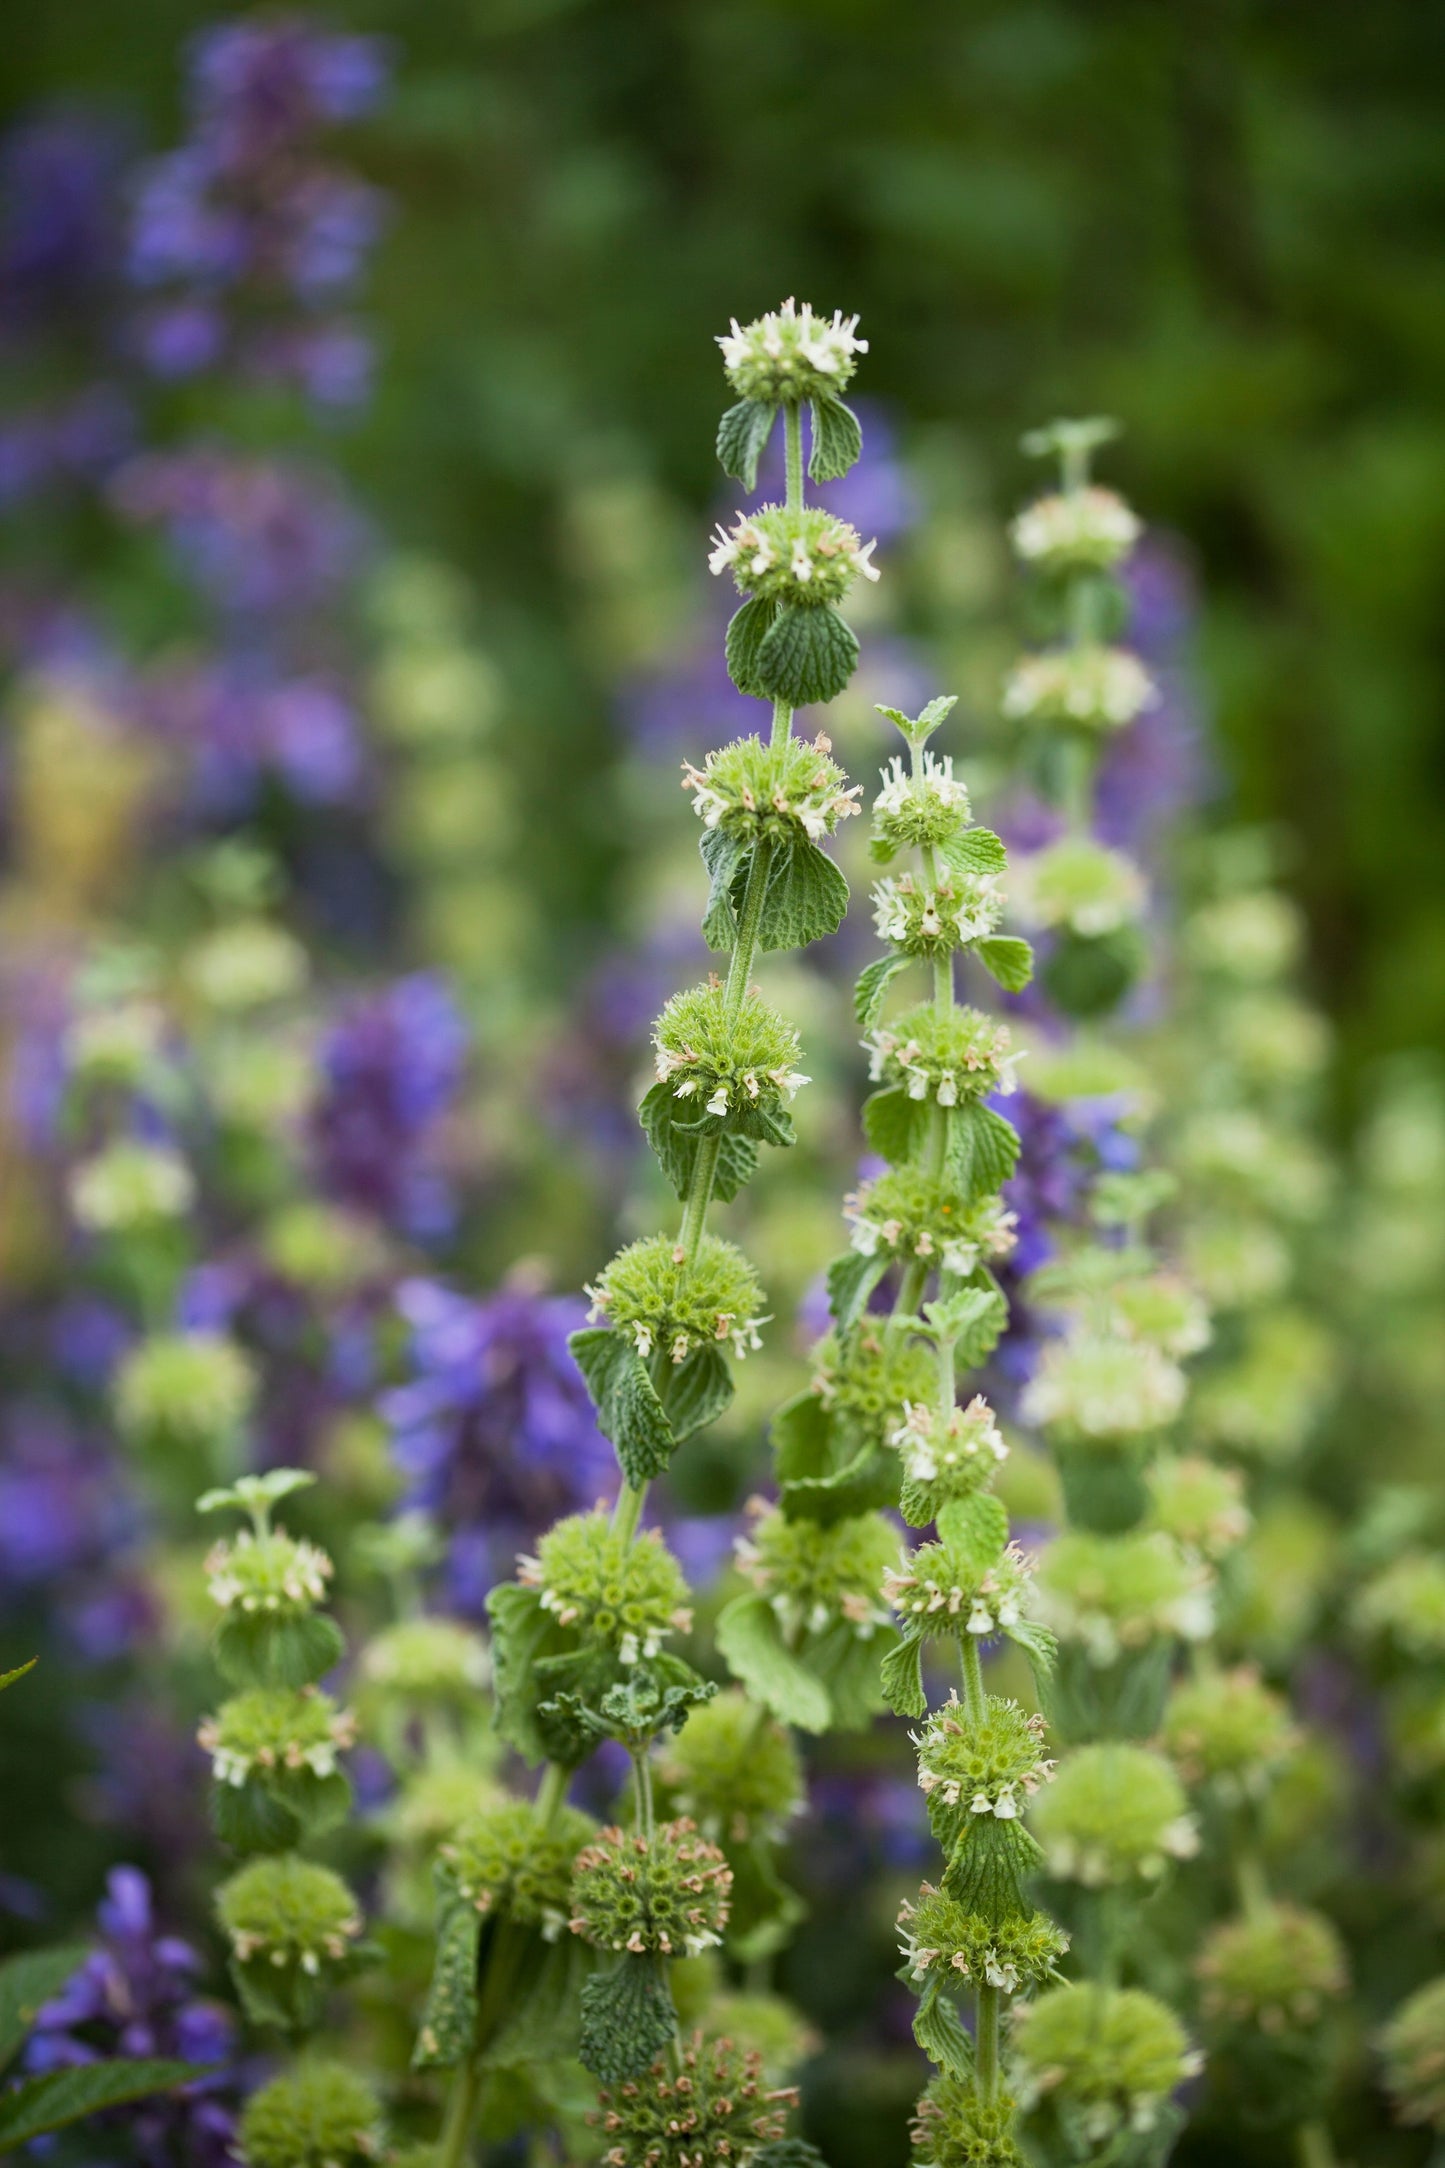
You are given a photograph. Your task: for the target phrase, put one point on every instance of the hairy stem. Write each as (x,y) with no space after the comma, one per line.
(985,2041)
(551,1793)
(793,445)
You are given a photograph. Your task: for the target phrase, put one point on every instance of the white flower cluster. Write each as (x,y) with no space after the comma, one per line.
(926,1447)
(1079,528)
(995,1598)
(233,1764)
(1105,1386)
(783,352)
(236,1575)
(827,556)
(817,807)
(747,1086)
(1100,688)
(934,785)
(130,1185)
(1079,884)
(963,907)
(1074,1859)
(922,1075)
(993,1233)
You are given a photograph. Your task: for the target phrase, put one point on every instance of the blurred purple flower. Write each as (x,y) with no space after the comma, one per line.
(60,203)
(61,1505)
(1157,767)
(393,1064)
(493,1430)
(135,1995)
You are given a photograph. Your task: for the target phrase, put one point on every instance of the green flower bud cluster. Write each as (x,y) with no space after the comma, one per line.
(508,1862)
(985,1762)
(791,354)
(1228,1730)
(1412,2046)
(1115,1593)
(818,1575)
(1094,688)
(423,1659)
(275,1759)
(714,2110)
(185,1390)
(129,1187)
(1281,1971)
(1021,1952)
(292,1927)
(951,1058)
(1114,1814)
(119,1043)
(319,2115)
(626,1596)
(952,1588)
(754,789)
(800,555)
(1405,1605)
(1198,1504)
(736,1774)
(954,2127)
(907,1213)
(1079,885)
(661,1299)
(724,1064)
(1078,530)
(245,965)
(272,1574)
(945,1457)
(925,807)
(1097,2062)
(666,1891)
(1103,1388)
(866,1382)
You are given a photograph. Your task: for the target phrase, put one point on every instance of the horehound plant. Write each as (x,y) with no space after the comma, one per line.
(557,1938)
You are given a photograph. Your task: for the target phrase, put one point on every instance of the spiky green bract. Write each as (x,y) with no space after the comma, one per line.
(508,1863)
(907,1213)
(967,1583)
(292,1927)
(185,1390)
(742,1068)
(1093,2067)
(751,789)
(665,1892)
(713,2110)
(624,1596)
(984,1762)
(939,1934)
(1228,1730)
(657,1298)
(1110,1594)
(816,1577)
(1198,1504)
(865,1379)
(1115,1813)
(319,2115)
(1406,1605)
(1279,1971)
(736,1772)
(929,810)
(953,1057)
(274,1758)
(801,555)
(1412,2046)
(791,354)
(945,1460)
(955,2128)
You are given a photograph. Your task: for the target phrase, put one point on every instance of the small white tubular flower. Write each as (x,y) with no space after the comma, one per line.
(791,354)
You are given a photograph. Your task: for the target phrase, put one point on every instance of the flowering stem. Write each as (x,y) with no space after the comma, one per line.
(793,442)
(740,970)
(971,1664)
(699,1196)
(628,1510)
(1249,1883)
(452,2146)
(985,2041)
(551,1793)
(642,1769)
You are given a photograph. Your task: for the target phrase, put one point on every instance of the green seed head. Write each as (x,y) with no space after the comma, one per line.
(510,1864)
(628,1596)
(1113,1814)
(666,1894)
(652,1293)
(736,1776)
(319,2115)
(816,1576)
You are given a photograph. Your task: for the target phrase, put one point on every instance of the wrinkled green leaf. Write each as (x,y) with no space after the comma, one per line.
(520,1629)
(628,2019)
(806,897)
(973,1318)
(851,1280)
(1008,960)
(46,2103)
(447,2033)
(973,850)
(742,436)
(872,988)
(543,2019)
(697,1391)
(253,1649)
(26,1982)
(895,1125)
(1038,1643)
(983,1149)
(747,631)
(629,1411)
(977,1526)
(807,654)
(901,1679)
(676,1141)
(989,1866)
(939,2030)
(837,440)
(725,854)
(750,1641)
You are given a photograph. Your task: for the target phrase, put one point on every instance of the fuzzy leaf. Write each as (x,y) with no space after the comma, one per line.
(973,1318)
(983,1150)
(747,632)
(253,1649)
(725,854)
(973,850)
(676,1142)
(520,1628)
(1038,1643)
(627,2020)
(697,1391)
(849,1669)
(46,2103)
(447,2033)
(751,1642)
(837,441)
(8,1678)
(807,654)
(938,2029)
(543,2017)
(805,899)
(989,1867)
(1008,960)
(894,1124)
(851,1280)
(977,1525)
(625,1398)
(902,1679)
(742,436)
(26,1982)
(873,984)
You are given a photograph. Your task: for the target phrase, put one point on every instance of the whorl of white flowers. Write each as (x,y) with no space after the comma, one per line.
(1100,688)
(791,353)
(928,1445)
(1076,529)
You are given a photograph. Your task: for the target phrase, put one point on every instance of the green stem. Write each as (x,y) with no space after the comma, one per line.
(642,1769)
(699,1197)
(971,1665)
(452,2146)
(551,1793)
(985,2043)
(793,444)
(740,970)
(628,1511)
(1250,1885)
(1315,2146)
(498,1979)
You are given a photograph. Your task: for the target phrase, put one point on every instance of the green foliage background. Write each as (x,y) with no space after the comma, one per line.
(1220,219)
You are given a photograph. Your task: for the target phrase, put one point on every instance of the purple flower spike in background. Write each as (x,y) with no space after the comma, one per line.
(393,1064)
(135,1995)
(494,1431)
